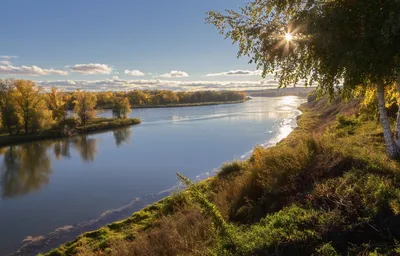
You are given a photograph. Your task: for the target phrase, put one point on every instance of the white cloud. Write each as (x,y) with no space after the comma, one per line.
(174,74)
(134,73)
(7,69)
(115,77)
(238,73)
(5,62)
(122,85)
(92,68)
(8,57)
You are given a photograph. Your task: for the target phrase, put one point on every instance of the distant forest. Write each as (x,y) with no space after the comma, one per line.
(143,98)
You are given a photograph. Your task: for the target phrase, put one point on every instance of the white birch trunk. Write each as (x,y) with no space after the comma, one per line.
(397,133)
(391,146)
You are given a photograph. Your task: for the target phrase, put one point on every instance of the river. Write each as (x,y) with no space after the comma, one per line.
(55,189)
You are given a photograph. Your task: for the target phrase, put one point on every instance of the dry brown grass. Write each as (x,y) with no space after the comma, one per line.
(184,233)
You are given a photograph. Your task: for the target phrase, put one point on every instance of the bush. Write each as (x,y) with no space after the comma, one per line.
(312,97)
(364,195)
(69,122)
(295,227)
(275,174)
(229,168)
(343,121)
(326,250)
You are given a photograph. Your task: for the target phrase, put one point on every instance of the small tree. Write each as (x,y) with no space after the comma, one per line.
(85,104)
(31,106)
(121,108)
(8,108)
(57,105)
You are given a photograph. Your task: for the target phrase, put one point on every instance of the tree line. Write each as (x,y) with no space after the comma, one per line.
(27,107)
(166,97)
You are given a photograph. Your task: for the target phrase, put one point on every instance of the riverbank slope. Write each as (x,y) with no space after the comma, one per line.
(327,189)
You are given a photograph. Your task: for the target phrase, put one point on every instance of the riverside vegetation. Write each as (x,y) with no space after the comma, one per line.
(332,186)
(27,109)
(329,188)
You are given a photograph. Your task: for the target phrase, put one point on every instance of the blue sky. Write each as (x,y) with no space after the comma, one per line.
(120,44)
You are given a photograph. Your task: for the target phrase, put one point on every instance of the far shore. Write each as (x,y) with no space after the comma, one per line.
(183,105)
(96,125)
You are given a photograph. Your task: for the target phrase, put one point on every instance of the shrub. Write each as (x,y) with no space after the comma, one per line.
(229,168)
(296,227)
(343,121)
(326,250)
(360,194)
(312,97)
(70,122)
(275,174)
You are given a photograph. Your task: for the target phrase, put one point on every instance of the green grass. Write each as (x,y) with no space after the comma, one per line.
(101,124)
(327,189)
(94,125)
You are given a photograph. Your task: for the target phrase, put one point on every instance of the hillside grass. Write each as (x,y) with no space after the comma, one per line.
(93,125)
(327,189)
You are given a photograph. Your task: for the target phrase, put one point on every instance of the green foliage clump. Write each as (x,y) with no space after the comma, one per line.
(229,168)
(358,193)
(326,250)
(343,121)
(273,173)
(293,226)
(69,122)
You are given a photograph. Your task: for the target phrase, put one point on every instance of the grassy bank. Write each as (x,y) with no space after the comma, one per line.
(94,125)
(327,189)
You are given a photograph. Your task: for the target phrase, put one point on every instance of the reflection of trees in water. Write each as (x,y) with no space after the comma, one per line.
(25,169)
(62,148)
(2,151)
(122,136)
(87,147)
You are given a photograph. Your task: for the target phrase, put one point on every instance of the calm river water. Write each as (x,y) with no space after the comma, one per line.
(52,190)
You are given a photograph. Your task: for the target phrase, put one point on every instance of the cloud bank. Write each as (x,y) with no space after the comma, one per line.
(238,73)
(91,69)
(134,73)
(174,74)
(7,69)
(116,84)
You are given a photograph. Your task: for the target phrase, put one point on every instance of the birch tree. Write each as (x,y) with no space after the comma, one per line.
(334,44)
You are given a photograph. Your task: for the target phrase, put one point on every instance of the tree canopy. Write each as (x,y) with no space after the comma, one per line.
(336,44)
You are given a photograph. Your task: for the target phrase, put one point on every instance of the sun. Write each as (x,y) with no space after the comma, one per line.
(288,37)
